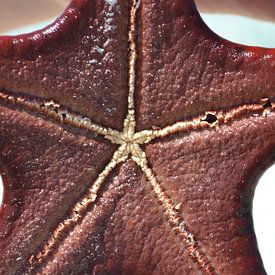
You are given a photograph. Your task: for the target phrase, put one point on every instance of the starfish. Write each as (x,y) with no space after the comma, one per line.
(169,189)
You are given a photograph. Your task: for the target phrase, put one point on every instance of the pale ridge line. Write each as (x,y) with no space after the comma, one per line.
(199,123)
(133,55)
(142,137)
(55,111)
(124,139)
(172,215)
(130,121)
(78,211)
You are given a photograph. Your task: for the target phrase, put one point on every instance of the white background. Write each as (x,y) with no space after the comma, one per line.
(235,28)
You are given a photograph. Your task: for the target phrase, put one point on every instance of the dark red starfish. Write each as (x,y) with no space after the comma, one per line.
(131,140)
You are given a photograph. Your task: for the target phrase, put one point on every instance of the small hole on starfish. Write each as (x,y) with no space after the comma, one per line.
(21,16)
(264,218)
(210,118)
(242,29)
(267,104)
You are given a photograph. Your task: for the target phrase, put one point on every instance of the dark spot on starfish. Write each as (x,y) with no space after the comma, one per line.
(210,118)
(267,104)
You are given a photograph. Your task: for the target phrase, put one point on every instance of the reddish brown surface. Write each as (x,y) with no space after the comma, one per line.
(57,62)
(183,71)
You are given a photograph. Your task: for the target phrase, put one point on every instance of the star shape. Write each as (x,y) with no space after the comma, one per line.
(195,162)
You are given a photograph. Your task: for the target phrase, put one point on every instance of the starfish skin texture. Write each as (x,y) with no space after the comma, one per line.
(254,8)
(131,142)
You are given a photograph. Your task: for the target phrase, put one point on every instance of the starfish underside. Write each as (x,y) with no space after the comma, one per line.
(130,144)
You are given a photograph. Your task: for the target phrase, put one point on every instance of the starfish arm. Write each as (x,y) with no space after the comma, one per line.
(79,61)
(187,70)
(172,215)
(78,211)
(53,110)
(213,173)
(45,169)
(123,233)
(211,119)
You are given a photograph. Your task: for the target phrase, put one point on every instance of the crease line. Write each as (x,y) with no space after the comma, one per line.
(55,111)
(172,215)
(200,123)
(77,212)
